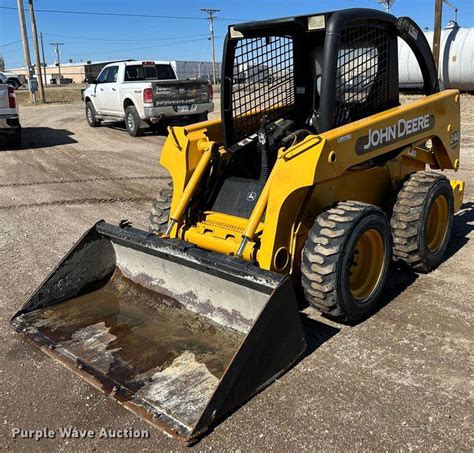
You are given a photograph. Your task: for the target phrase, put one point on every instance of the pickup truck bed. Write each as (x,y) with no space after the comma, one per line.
(179,97)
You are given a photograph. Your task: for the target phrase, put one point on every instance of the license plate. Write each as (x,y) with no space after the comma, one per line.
(183,108)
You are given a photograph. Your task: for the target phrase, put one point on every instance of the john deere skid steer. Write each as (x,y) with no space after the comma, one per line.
(312,181)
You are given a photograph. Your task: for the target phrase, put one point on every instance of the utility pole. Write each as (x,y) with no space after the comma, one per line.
(44,60)
(57,44)
(39,72)
(24,40)
(388,4)
(211,13)
(437,31)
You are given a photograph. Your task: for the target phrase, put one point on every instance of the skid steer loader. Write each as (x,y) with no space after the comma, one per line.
(314,178)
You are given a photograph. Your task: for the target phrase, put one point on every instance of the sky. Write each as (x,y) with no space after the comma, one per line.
(183,36)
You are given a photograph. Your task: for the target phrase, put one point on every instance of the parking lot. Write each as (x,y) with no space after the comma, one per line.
(401,380)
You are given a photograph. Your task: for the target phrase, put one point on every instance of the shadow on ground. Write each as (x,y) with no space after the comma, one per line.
(463,226)
(316,333)
(40,137)
(120,126)
(157,129)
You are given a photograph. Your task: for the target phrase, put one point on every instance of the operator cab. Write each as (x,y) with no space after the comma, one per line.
(285,79)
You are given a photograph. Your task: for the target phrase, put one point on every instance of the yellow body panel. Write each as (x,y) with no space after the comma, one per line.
(317,172)
(458,192)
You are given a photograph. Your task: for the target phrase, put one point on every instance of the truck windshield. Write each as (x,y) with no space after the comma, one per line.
(149,72)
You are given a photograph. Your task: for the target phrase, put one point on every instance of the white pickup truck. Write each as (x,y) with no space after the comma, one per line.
(9,119)
(144,93)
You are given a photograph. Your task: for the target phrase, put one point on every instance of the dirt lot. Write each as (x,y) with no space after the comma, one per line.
(53,93)
(402,380)
(62,93)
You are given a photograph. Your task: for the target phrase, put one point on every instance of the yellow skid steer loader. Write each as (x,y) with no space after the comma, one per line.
(312,181)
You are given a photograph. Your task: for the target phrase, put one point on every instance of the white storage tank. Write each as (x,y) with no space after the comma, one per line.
(456,60)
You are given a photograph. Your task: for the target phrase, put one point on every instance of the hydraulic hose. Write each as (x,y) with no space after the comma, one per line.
(264,170)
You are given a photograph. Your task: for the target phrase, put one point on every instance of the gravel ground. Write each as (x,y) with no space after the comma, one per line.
(401,380)
(53,93)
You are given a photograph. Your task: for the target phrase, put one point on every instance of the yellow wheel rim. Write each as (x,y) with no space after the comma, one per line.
(367,264)
(437,224)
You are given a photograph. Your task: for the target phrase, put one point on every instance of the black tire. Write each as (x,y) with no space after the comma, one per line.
(133,121)
(422,222)
(328,265)
(91,115)
(160,210)
(14,140)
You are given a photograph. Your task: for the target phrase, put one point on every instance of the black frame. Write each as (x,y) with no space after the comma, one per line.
(305,94)
(337,24)
(293,29)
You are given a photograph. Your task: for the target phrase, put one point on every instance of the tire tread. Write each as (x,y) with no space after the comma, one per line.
(407,218)
(321,254)
(160,210)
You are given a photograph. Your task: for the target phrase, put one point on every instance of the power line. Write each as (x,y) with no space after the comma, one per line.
(212,17)
(454,8)
(103,13)
(16,49)
(140,48)
(81,38)
(11,43)
(147,47)
(56,45)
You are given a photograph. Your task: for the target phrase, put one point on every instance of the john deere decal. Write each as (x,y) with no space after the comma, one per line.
(394,133)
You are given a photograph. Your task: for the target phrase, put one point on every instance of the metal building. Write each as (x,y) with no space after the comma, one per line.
(195,69)
(78,72)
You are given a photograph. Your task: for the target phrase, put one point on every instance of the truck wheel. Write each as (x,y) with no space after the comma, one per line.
(160,210)
(14,140)
(422,220)
(92,121)
(132,121)
(346,259)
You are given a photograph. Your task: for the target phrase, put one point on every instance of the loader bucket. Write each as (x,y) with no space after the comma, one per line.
(176,334)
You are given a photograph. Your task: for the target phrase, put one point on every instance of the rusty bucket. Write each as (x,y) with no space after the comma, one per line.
(176,334)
